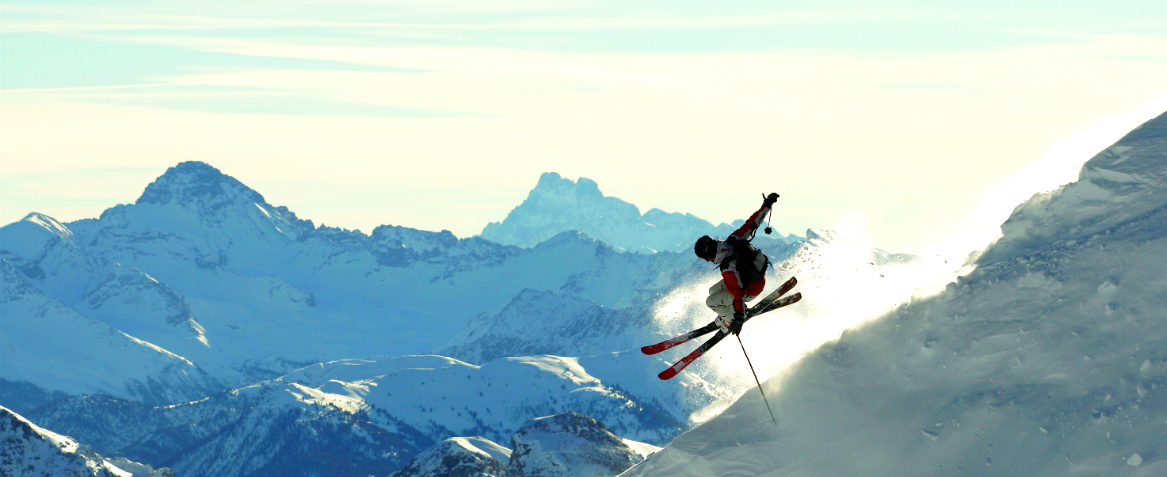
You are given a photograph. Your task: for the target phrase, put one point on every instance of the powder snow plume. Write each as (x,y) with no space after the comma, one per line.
(844,281)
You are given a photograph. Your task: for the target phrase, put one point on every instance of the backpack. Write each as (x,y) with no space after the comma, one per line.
(751,262)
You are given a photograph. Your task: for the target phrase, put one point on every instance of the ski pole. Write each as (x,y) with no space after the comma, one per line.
(772,418)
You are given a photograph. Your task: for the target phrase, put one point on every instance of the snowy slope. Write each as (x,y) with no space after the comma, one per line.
(51,258)
(47,343)
(29,450)
(1047,360)
(556,205)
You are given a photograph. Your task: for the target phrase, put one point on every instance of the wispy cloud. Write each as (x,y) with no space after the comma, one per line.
(375,104)
(107,19)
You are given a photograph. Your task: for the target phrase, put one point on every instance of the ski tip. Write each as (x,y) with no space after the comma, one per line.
(649,350)
(795,297)
(667,374)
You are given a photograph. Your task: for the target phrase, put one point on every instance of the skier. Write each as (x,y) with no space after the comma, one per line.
(743,269)
(743,277)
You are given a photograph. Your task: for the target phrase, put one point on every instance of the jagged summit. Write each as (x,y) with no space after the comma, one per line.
(195,194)
(194,182)
(553,192)
(553,183)
(557,205)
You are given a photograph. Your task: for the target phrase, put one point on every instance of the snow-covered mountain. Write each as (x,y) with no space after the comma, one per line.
(59,349)
(563,445)
(27,450)
(357,417)
(1048,359)
(557,205)
(203,268)
(461,457)
(266,429)
(571,445)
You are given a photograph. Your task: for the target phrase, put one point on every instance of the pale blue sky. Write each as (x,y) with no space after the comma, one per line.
(897,118)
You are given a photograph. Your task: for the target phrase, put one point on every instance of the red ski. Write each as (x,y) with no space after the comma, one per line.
(676,368)
(770,302)
(669,343)
(680,365)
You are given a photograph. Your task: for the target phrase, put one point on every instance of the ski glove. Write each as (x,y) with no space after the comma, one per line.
(770,199)
(735,326)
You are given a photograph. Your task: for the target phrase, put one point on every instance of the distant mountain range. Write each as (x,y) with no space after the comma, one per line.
(203,329)
(371,416)
(206,270)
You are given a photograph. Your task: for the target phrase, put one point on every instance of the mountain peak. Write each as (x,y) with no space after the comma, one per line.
(194,182)
(551,183)
(49,223)
(550,179)
(32,236)
(557,205)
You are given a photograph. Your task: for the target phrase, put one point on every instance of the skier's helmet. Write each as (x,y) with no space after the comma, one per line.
(705,248)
